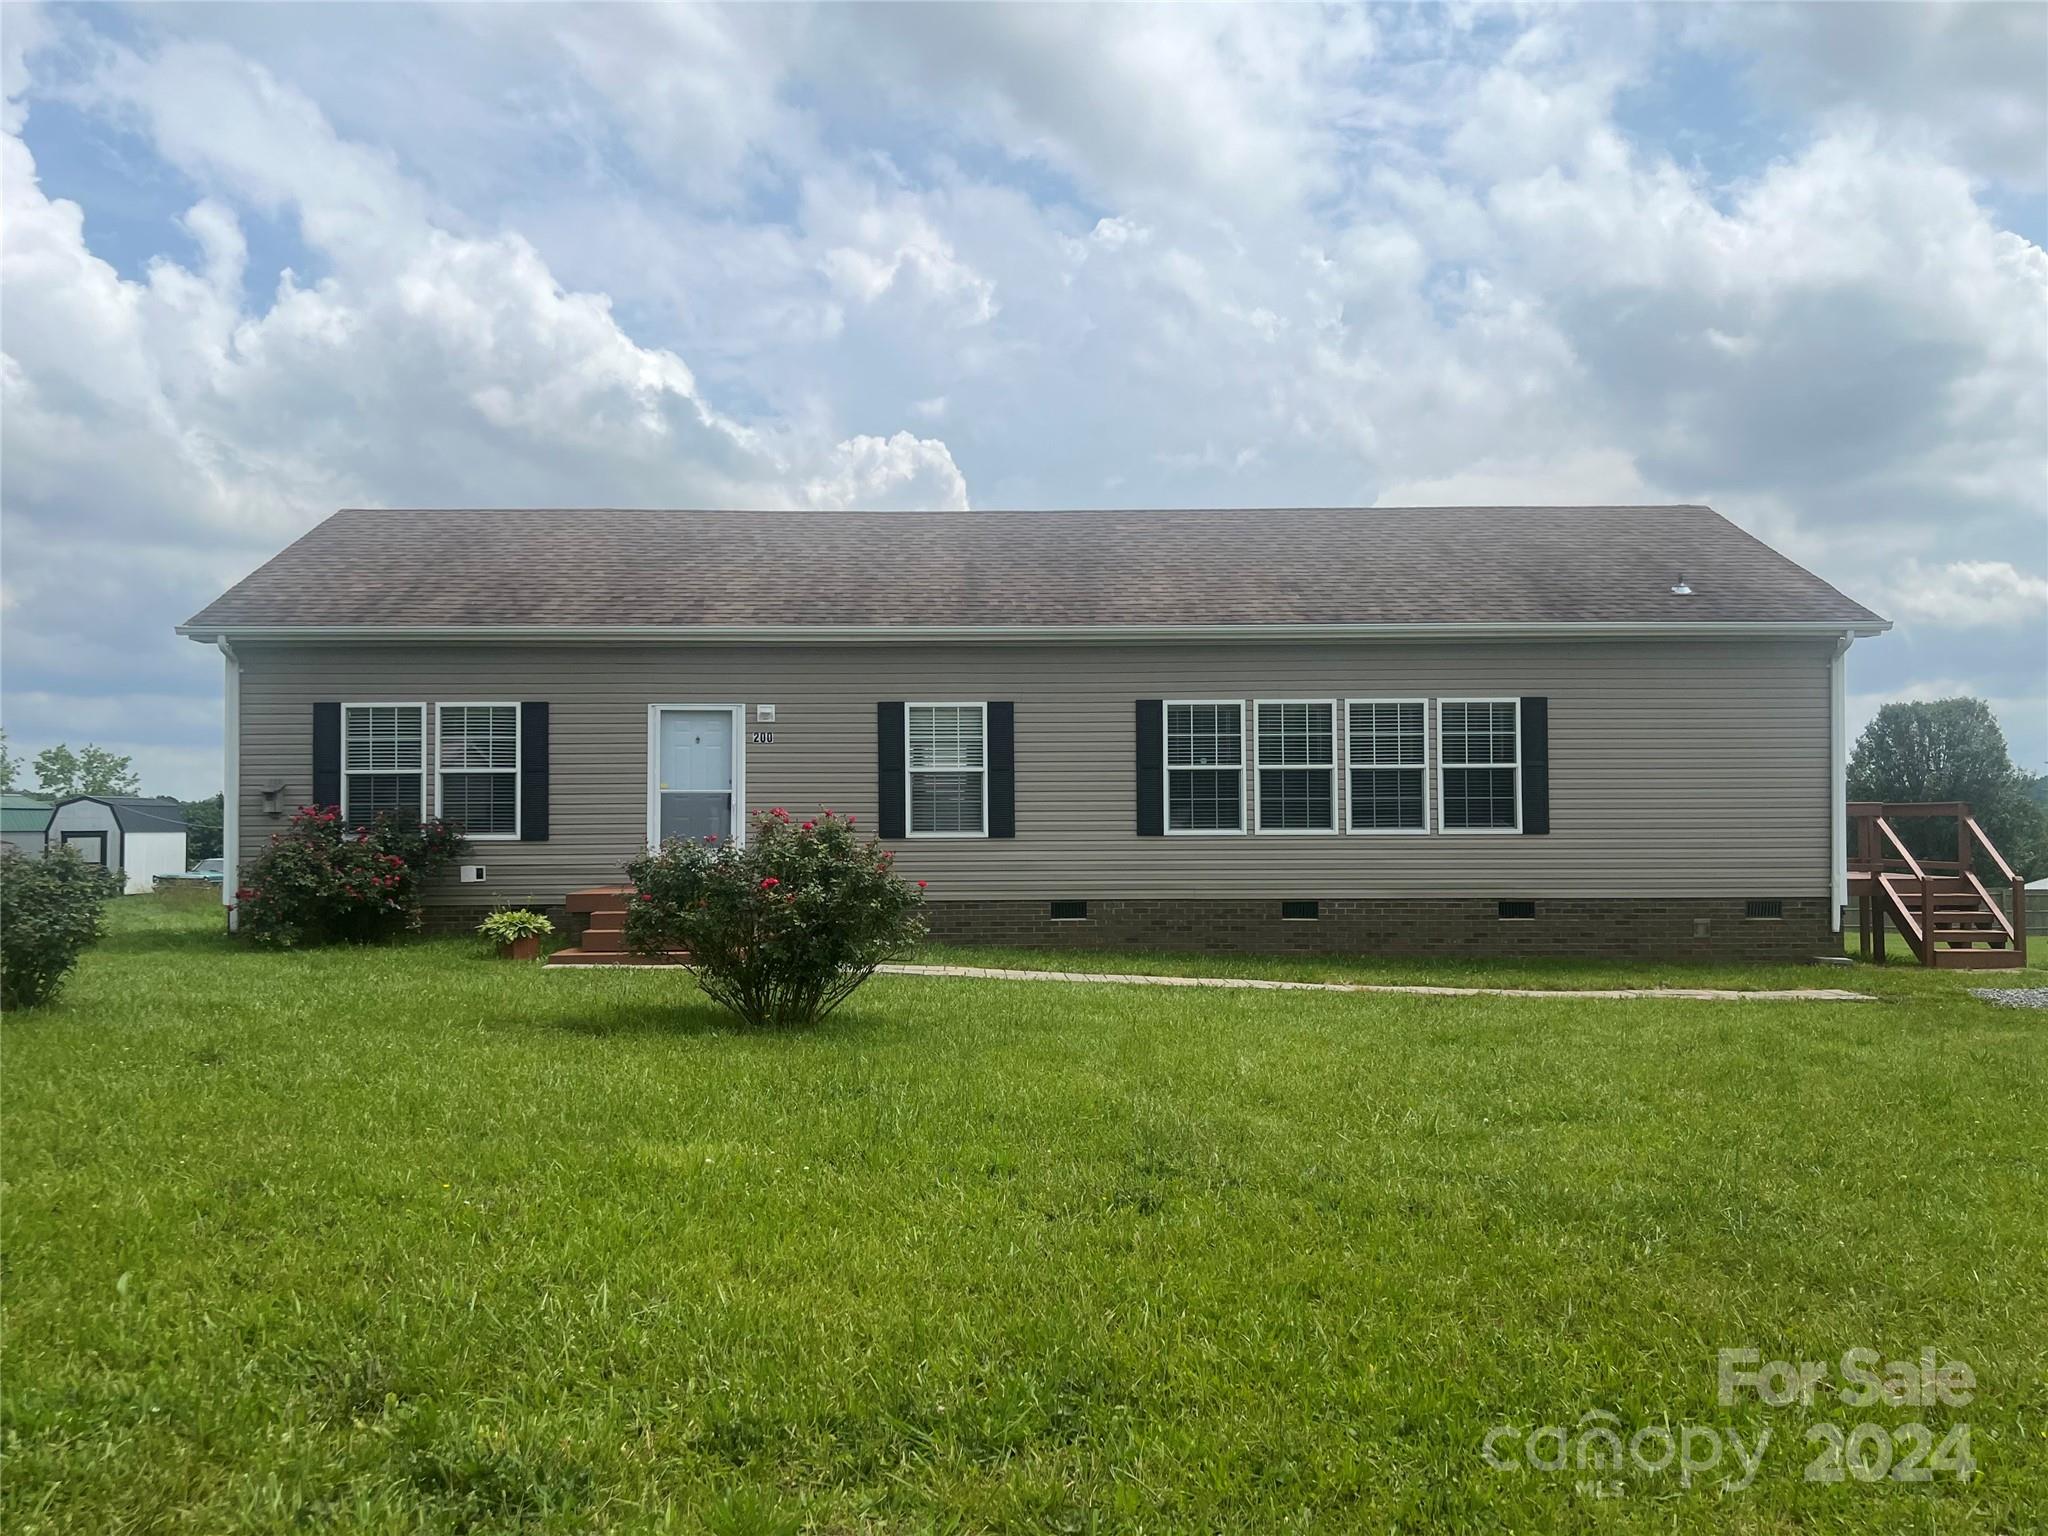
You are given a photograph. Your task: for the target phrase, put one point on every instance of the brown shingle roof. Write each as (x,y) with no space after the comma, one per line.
(1424,566)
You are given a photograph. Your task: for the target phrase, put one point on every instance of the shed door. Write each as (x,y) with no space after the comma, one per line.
(693,766)
(89,846)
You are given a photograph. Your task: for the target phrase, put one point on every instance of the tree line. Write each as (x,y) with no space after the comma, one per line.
(1952,749)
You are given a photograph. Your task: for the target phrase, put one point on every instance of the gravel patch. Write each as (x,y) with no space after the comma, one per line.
(2013,997)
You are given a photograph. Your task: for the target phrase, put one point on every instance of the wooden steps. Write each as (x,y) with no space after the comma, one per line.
(1940,907)
(602,936)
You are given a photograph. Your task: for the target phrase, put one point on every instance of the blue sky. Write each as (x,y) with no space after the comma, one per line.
(264,261)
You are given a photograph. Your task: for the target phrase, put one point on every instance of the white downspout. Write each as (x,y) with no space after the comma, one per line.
(1838,780)
(231,781)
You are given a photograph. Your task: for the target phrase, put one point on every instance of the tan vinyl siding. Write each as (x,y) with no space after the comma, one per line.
(1676,767)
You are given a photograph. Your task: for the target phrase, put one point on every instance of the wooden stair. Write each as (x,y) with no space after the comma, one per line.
(1941,908)
(600,916)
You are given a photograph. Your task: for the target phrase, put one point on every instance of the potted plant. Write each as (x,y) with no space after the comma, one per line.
(517,933)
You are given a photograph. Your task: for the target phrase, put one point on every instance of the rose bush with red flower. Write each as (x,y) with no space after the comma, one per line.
(780,931)
(320,882)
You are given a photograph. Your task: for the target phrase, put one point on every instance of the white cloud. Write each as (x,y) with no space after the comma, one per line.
(1182,107)
(1974,594)
(876,243)
(161,436)
(1599,477)
(1113,233)
(700,84)
(893,473)
(1966,76)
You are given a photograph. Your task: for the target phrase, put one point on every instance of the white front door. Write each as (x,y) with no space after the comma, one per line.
(694,763)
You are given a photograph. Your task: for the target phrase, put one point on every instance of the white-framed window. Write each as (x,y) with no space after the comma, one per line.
(1204,766)
(1386,761)
(1479,765)
(476,769)
(1297,764)
(383,761)
(945,755)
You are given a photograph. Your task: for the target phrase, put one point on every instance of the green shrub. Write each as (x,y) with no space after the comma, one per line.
(782,930)
(322,883)
(519,923)
(50,911)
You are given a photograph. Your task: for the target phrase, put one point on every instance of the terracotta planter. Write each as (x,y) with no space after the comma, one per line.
(527,948)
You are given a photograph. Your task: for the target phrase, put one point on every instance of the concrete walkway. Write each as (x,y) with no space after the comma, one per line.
(1251,984)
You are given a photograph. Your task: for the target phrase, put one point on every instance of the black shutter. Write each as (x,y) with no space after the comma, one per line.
(1151,767)
(1536,765)
(327,754)
(1002,770)
(889,767)
(533,773)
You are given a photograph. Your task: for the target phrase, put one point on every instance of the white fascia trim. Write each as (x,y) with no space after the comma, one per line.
(909,634)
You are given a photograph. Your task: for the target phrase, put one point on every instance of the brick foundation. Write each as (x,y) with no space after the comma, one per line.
(447,919)
(1618,928)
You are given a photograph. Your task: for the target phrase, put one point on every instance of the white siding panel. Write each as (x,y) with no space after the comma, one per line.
(145,855)
(1676,767)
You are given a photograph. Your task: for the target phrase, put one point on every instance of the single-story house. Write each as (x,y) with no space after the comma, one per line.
(140,836)
(24,821)
(1476,729)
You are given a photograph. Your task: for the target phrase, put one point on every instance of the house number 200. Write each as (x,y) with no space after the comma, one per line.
(760,738)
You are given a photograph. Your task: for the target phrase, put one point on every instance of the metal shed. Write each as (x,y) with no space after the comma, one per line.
(24,821)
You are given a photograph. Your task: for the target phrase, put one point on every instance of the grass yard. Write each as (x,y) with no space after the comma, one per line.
(416,1240)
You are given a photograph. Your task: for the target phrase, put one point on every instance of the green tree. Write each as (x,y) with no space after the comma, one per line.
(202,828)
(1950,749)
(57,770)
(89,771)
(10,765)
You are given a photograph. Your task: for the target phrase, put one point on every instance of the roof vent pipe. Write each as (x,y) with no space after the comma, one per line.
(1680,588)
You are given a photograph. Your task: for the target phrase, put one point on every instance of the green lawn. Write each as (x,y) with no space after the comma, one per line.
(417,1240)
